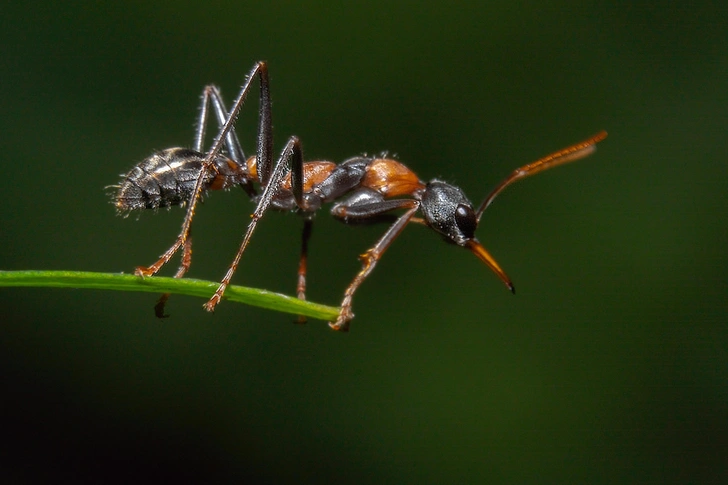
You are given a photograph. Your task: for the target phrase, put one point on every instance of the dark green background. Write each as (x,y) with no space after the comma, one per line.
(610,365)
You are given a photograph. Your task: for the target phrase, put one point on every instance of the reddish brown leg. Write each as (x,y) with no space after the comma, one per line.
(292,151)
(303,264)
(264,153)
(369,261)
(183,268)
(164,259)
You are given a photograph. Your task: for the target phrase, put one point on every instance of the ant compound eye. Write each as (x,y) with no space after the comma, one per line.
(466,220)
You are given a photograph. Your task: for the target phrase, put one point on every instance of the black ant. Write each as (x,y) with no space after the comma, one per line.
(362,188)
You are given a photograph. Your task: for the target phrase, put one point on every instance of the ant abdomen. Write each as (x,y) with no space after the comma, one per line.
(168,178)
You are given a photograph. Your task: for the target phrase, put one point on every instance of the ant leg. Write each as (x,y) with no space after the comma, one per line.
(202,122)
(265,143)
(143,271)
(234,148)
(303,263)
(183,268)
(371,256)
(292,151)
(236,153)
(212,92)
(568,154)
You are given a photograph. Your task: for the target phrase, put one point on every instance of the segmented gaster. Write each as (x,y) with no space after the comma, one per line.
(167,178)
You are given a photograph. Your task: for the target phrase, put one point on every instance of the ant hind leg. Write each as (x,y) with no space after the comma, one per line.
(183,268)
(265,143)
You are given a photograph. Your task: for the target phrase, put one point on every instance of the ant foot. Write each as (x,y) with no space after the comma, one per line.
(212,303)
(143,271)
(342,323)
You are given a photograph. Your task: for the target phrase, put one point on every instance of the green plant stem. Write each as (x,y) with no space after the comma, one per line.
(159,284)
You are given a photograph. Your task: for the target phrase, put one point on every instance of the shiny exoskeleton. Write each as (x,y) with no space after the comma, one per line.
(361,189)
(168,178)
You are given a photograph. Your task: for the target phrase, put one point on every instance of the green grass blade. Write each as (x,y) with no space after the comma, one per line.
(159,284)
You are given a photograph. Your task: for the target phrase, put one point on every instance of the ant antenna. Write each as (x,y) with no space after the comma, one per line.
(569,154)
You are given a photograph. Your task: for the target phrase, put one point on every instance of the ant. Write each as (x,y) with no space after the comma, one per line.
(362,188)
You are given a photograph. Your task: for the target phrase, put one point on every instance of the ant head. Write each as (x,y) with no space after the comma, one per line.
(449,212)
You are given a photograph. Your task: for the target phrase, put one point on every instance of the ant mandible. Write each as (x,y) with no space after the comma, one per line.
(362,188)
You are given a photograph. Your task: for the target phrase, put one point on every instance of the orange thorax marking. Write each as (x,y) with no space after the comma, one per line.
(220,181)
(251,166)
(391,178)
(313,173)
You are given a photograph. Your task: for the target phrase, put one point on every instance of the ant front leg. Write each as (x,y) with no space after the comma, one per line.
(362,205)
(264,151)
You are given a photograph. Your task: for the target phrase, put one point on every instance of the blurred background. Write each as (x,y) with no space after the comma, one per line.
(610,365)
